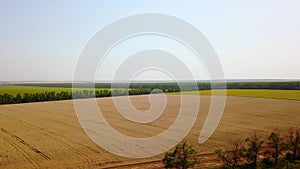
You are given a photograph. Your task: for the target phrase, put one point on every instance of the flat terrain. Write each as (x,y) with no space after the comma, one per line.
(275,94)
(13,90)
(48,134)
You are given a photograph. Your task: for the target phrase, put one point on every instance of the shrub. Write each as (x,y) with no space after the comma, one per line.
(182,157)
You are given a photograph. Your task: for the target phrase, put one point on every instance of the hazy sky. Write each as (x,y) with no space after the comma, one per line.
(41,40)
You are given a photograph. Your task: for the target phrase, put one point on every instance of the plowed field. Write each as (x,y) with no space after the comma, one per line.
(48,134)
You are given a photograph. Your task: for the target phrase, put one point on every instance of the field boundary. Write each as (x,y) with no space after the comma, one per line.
(253,93)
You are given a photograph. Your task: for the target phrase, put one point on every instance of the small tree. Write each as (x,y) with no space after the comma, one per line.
(293,143)
(223,155)
(232,158)
(277,144)
(181,157)
(254,145)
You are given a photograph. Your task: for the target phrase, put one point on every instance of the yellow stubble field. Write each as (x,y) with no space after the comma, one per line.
(49,135)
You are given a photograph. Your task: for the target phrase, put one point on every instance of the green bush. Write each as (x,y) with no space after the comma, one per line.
(181,158)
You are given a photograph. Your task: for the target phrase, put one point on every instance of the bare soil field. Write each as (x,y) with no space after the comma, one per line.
(48,134)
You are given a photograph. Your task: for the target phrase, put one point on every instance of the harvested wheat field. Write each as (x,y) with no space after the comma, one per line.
(48,134)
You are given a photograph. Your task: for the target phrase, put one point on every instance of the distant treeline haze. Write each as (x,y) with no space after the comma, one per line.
(134,89)
(65,95)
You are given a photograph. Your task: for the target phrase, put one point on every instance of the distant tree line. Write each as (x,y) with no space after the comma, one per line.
(264,85)
(174,87)
(64,95)
(134,89)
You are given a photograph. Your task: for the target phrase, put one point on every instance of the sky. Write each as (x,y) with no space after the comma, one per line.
(254,39)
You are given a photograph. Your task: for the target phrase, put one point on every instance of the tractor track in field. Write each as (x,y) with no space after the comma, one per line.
(20,140)
(53,129)
(53,135)
(23,152)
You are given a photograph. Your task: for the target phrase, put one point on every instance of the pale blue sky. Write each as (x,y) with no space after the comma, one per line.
(41,40)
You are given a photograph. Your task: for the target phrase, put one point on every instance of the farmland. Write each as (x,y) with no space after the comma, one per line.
(14,90)
(54,137)
(37,92)
(275,94)
(26,94)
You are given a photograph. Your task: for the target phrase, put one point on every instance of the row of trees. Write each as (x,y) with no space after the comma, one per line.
(173,87)
(134,89)
(264,85)
(65,95)
(255,152)
(277,151)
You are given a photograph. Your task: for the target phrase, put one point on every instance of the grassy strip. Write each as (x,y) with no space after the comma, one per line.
(275,94)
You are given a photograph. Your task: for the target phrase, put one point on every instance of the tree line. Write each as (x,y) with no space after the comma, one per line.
(134,89)
(277,150)
(256,151)
(174,87)
(65,95)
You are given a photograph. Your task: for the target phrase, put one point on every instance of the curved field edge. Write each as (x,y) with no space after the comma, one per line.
(274,94)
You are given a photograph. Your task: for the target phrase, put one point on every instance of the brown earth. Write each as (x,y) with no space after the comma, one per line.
(48,134)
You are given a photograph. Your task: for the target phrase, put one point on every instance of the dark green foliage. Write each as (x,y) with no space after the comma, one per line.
(264,85)
(34,97)
(272,156)
(289,157)
(232,158)
(275,141)
(267,162)
(174,87)
(293,144)
(181,158)
(65,95)
(223,155)
(134,89)
(252,149)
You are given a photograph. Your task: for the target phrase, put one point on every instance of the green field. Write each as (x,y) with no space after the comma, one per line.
(260,93)
(275,94)
(13,90)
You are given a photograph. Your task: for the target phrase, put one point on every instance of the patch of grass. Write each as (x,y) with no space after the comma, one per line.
(275,94)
